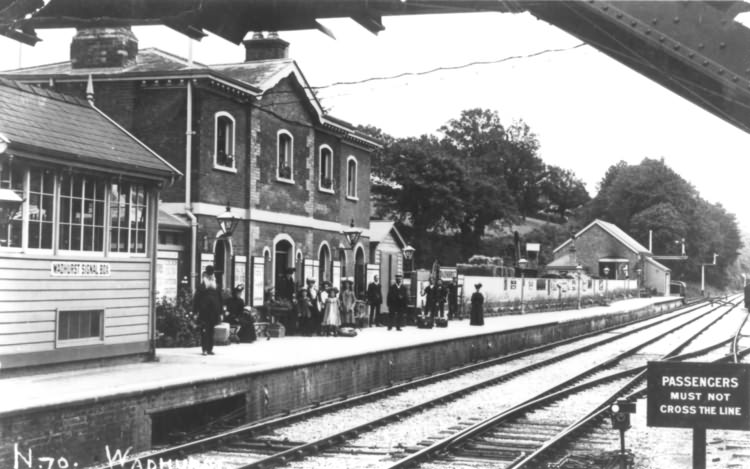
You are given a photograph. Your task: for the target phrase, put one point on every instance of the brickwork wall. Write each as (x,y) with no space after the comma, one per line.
(284,112)
(79,432)
(159,122)
(217,186)
(595,244)
(358,210)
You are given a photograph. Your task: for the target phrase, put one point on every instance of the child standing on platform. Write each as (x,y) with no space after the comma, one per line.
(347,303)
(332,317)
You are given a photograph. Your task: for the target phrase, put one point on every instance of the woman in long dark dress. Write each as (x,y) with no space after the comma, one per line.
(477,307)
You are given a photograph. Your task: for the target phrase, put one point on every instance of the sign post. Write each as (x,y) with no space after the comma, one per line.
(698,396)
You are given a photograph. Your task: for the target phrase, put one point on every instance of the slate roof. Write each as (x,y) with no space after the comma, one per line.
(42,122)
(148,60)
(254,77)
(615,232)
(380,229)
(174,221)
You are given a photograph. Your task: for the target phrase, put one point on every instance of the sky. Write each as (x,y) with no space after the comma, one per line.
(587,110)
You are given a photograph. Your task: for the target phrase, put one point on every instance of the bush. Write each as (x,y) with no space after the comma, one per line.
(176,322)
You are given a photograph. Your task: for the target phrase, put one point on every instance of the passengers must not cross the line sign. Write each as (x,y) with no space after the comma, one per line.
(698,395)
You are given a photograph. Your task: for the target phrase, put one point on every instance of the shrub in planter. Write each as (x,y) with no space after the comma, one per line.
(175,321)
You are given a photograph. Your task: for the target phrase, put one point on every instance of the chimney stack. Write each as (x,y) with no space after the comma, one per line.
(265,48)
(103,47)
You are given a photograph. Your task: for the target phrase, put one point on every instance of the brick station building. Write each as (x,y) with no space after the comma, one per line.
(251,138)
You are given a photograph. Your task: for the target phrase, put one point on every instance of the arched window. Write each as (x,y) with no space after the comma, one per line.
(284,267)
(284,156)
(324,264)
(325,169)
(224,157)
(360,272)
(351,178)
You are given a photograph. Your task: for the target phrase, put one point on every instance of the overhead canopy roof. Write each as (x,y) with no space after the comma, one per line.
(696,49)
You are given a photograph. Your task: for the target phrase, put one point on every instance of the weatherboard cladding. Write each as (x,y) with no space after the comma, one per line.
(41,120)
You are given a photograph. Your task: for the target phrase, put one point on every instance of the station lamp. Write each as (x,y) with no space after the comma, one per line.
(227,222)
(352,235)
(579,270)
(409,255)
(522,263)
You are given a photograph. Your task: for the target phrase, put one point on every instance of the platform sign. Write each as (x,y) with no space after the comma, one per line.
(698,395)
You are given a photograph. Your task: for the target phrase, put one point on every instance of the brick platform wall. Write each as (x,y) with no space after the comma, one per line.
(81,431)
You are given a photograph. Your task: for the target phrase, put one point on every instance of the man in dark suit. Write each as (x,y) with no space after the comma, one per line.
(374,299)
(398,300)
(747,296)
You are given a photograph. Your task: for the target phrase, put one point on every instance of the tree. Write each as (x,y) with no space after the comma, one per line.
(501,164)
(563,190)
(424,188)
(652,196)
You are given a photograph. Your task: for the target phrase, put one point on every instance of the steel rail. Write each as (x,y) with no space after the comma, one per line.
(737,338)
(345,401)
(639,393)
(480,427)
(308,448)
(604,407)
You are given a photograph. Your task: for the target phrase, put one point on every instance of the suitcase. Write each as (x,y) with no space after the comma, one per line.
(424,322)
(441,322)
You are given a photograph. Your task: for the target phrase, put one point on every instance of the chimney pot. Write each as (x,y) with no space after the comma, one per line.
(268,48)
(103,47)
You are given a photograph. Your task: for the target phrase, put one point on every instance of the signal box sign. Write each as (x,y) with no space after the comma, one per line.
(698,395)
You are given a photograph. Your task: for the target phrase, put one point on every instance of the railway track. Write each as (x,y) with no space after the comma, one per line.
(273,442)
(664,447)
(530,436)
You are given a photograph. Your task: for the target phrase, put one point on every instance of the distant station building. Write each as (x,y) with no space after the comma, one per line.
(78,216)
(253,141)
(386,253)
(603,250)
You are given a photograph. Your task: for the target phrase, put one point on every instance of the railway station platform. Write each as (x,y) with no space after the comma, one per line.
(118,407)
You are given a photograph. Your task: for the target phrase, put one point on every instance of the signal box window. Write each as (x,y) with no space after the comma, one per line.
(80,326)
(81,213)
(11,219)
(127,210)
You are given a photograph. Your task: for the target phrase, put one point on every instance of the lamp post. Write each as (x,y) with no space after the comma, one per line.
(703,275)
(579,269)
(606,281)
(638,279)
(522,263)
(227,223)
(409,256)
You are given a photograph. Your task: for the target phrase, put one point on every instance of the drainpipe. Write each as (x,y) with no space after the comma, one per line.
(188,182)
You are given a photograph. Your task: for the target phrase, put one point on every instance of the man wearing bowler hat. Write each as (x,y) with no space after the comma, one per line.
(398,300)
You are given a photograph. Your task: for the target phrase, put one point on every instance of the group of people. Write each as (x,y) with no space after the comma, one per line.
(436,295)
(208,304)
(324,310)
